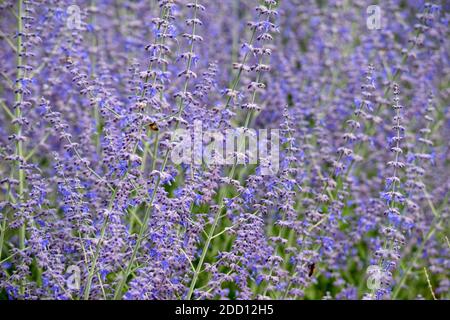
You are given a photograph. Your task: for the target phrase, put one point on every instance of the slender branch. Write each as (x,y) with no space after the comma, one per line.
(11,44)
(429,283)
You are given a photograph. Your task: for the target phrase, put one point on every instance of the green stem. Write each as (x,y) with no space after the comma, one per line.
(92,58)
(414,260)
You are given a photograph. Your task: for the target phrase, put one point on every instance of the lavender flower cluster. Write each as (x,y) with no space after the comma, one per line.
(93,207)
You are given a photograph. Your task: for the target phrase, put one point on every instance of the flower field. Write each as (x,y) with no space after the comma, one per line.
(238,149)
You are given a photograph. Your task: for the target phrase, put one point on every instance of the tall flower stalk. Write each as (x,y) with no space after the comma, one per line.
(389,254)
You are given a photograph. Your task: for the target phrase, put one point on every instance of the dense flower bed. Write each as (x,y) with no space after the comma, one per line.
(351,202)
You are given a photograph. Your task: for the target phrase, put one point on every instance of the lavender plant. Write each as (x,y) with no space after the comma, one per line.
(243,149)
